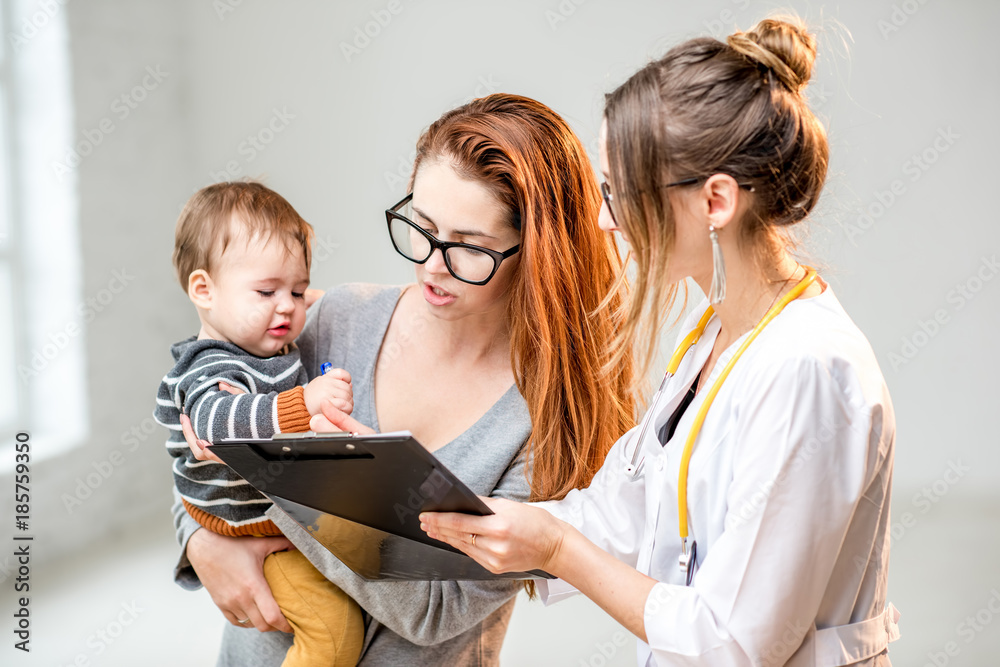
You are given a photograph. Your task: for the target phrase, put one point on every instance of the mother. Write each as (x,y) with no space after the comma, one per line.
(489,368)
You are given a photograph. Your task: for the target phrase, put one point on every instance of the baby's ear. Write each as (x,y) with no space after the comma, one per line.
(200,289)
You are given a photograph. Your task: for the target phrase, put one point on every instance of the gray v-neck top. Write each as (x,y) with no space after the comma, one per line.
(407,623)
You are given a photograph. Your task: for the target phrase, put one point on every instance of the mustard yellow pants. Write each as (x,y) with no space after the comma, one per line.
(327,622)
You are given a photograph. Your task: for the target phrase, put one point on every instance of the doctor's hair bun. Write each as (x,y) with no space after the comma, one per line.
(783,45)
(706,107)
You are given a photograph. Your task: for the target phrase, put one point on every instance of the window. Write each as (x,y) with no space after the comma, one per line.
(42,381)
(9,394)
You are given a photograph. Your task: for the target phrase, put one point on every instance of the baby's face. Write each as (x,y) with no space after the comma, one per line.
(258,299)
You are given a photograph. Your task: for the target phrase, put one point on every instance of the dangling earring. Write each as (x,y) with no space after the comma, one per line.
(718,290)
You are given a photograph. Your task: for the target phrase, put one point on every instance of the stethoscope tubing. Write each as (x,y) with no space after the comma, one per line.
(636,463)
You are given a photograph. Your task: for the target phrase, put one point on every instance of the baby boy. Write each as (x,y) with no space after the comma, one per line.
(242,254)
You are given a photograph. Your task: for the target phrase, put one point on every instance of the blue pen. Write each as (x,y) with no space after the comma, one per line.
(323,370)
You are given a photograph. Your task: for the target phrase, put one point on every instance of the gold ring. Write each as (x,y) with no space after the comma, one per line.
(473,540)
(243,622)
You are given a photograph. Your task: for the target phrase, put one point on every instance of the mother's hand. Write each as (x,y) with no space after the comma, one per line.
(199,448)
(313,295)
(232,571)
(516,538)
(334,419)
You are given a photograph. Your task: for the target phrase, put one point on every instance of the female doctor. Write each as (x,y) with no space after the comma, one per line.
(745,521)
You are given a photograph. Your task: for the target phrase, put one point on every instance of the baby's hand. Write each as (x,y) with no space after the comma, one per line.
(334,385)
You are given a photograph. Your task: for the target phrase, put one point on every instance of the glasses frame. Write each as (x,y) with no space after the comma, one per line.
(497,256)
(691,180)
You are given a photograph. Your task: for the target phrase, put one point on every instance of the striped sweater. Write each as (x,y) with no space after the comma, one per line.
(273,403)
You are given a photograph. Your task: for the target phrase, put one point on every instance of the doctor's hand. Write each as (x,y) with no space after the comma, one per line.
(517,537)
(232,571)
(332,418)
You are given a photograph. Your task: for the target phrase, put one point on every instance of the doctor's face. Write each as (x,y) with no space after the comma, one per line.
(690,246)
(606,220)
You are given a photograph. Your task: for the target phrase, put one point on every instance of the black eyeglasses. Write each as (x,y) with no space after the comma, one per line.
(469,263)
(609,198)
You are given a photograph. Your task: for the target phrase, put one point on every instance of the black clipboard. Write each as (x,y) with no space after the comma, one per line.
(360,497)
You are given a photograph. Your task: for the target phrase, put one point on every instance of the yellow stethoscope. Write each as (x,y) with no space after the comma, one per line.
(688,556)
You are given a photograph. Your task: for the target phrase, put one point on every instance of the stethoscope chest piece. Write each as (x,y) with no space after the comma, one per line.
(688,560)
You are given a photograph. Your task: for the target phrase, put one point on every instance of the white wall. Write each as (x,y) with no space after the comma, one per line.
(889,99)
(351,125)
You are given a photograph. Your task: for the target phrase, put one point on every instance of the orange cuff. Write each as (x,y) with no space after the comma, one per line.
(263,528)
(293,417)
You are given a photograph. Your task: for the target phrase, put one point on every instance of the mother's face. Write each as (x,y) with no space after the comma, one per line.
(454,209)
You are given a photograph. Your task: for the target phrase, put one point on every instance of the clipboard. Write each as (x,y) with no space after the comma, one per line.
(360,497)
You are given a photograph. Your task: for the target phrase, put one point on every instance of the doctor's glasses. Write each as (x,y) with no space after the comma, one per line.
(609,198)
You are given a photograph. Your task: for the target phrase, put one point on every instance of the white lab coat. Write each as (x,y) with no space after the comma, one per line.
(788,499)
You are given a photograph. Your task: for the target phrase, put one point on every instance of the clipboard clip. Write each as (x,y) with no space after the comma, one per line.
(313,434)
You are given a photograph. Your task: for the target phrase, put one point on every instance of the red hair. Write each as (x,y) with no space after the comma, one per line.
(536,167)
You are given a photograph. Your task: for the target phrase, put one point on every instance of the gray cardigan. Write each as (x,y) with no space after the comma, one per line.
(407,623)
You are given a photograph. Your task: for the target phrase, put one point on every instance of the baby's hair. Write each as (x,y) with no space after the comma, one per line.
(220,213)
